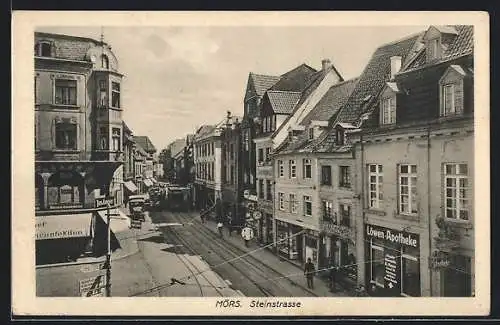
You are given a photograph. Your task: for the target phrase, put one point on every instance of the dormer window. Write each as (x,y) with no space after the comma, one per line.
(43,49)
(311,133)
(451,91)
(104,61)
(388,110)
(433,49)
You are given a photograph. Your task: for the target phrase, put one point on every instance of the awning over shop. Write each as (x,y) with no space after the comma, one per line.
(130,186)
(148,182)
(63,226)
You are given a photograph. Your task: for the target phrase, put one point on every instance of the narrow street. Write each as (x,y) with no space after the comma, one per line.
(245,273)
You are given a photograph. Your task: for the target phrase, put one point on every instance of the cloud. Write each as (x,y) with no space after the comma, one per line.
(157,46)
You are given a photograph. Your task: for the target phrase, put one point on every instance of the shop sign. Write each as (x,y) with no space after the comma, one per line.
(90,286)
(391,235)
(392,273)
(337,230)
(104,201)
(439,260)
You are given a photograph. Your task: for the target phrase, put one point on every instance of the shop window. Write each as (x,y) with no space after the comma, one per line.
(376,178)
(410,272)
(307,206)
(326,175)
(293,203)
(408,189)
(281,201)
(376,264)
(345,176)
(457,278)
(328,214)
(115,94)
(292,169)
(66,136)
(65,188)
(346,258)
(281,168)
(116,138)
(65,92)
(307,168)
(269,190)
(345,215)
(457,194)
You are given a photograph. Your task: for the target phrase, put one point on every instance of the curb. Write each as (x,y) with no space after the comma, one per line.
(272,268)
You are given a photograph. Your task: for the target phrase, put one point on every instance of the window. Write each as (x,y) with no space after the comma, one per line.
(307,171)
(345,176)
(311,133)
(103,143)
(65,92)
(268,154)
(104,61)
(103,94)
(376,178)
(66,136)
(116,138)
(410,272)
(456,191)
(43,49)
(345,215)
(281,199)
(326,175)
(433,49)
(292,169)
(260,155)
(269,190)
(115,94)
(388,110)
(281,168)
(261,188)
(328,213)
(293,203)
(452,98)
(377,264)
(307,206)
(340,137)
(408,189)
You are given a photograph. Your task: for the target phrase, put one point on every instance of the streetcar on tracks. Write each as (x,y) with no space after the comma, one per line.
(177,198)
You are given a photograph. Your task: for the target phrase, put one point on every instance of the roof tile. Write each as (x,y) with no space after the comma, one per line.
(263,82)
(283,102)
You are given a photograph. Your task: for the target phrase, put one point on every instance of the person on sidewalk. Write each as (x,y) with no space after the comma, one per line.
(309,271)
(219,229)
(229,223)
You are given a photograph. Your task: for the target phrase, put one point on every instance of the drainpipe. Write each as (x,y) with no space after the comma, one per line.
(429,217)
(362,278)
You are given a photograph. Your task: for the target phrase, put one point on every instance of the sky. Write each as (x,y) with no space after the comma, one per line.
(178,78)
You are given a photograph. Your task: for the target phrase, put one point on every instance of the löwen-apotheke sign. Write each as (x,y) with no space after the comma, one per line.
(392,235)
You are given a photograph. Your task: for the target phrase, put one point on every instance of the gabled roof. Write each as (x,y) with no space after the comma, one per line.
(262,82)
(331,102)
(282,102)
(462,44)
(177,146)
(374,77)
(145,143)
(296,79)
(125,128)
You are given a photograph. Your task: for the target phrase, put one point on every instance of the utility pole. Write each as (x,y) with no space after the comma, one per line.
(108,252)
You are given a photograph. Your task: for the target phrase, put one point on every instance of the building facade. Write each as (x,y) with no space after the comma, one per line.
(78,146)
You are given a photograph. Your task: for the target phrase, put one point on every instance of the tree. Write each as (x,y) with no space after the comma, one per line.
(165,157)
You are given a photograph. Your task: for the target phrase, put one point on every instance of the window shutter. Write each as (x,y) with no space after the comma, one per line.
(459,96)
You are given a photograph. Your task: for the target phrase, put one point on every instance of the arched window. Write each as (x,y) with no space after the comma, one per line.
(104,61)
(65,189)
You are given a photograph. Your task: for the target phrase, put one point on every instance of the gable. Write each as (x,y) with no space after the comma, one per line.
(453,73)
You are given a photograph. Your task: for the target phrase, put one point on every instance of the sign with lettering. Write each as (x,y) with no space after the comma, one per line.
(104,201)
(439,260)
(392,273)
(337,230)
(393,236)
(63,226)
(88,268)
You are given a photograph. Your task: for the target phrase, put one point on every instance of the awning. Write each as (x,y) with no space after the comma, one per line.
(130,186)
(119,220)
(147,182)
(63,226)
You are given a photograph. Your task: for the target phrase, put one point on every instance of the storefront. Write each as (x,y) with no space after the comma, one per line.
(393,262)
(289,241)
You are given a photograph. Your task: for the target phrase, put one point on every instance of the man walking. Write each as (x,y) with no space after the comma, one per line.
(309,271)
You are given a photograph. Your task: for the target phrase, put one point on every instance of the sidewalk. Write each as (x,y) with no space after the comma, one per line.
(281,266)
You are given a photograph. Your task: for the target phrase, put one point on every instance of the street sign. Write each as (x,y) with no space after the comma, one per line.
(89,285)
(87,268)
(104,201)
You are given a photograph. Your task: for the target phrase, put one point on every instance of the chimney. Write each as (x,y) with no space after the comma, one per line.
(395,65)
(325,65)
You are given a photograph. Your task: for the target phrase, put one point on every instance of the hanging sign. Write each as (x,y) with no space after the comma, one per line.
(104,201)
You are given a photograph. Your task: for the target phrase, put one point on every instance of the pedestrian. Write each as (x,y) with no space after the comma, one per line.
(230,223)
(202,216)
(309,271)
(219,229)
